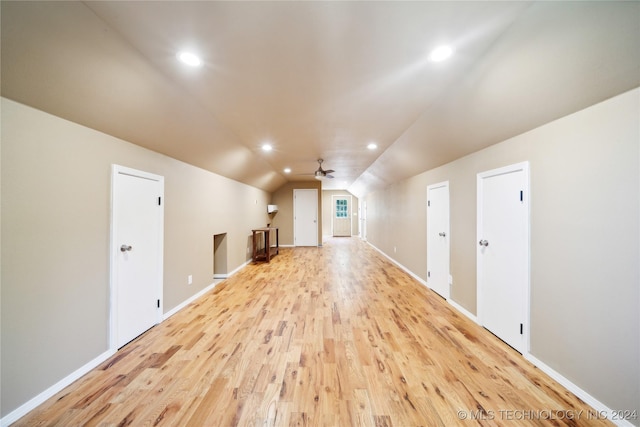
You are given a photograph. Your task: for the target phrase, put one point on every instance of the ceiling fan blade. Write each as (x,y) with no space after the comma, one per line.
(329,176)
(329,171)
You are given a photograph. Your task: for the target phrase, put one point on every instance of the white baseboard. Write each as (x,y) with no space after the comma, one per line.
(454,304)
(402,267)
(240,267)
(202,292)
(188,301)
(29,406)
(601,409)
(463,310)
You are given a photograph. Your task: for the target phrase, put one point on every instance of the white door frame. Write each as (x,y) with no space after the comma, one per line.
(523,166)
(114,248)
(333,206)
(447,293)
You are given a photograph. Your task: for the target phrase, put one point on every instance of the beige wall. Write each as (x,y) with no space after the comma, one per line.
(327,211)
(283,197)
(585,215)
(55,241)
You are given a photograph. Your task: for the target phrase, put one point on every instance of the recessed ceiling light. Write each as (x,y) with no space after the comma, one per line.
(440,53)
(287,170)
(189,59)
(267,147)
(372,146)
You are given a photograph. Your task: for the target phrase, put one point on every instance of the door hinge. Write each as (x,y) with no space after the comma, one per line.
(521,328)
(159,201)
(158,303)
(428,274)
(521,195)
(428,203)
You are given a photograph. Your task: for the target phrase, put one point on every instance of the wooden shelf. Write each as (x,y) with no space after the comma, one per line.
(260,245)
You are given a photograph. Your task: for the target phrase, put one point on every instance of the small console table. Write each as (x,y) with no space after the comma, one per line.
(268,250)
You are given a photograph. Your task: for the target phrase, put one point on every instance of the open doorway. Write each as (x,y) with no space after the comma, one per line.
(220,257)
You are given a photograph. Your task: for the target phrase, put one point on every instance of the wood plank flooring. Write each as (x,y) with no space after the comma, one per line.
(331,336)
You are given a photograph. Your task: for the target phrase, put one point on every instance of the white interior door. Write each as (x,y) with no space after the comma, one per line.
(341,215)
(363,219)
(438,238)
(137,253)
(305,217)
(503,253)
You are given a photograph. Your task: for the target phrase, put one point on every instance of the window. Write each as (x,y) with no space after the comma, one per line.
(341,208)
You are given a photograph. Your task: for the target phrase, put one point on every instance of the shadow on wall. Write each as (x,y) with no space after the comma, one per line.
(249,248)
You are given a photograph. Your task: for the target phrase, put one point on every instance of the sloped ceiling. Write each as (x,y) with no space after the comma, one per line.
(317,79)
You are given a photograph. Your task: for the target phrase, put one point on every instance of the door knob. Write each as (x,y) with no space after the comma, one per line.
(125,248)
(443,234)
(483,243)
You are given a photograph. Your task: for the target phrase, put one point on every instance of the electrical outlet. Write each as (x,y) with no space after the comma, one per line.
(189,279)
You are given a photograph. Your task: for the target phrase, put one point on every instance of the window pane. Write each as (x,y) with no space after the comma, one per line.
(341,208)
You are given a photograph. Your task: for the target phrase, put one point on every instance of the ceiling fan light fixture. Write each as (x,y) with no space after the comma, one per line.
(267,147)
(320,173)
(372,146)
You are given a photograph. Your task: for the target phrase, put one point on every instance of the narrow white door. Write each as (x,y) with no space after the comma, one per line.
(305,217)
(438,238)
(341,215)
(503,253)
(363,219)
(136,253)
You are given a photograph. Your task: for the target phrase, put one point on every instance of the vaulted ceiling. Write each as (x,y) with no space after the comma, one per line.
(317,79)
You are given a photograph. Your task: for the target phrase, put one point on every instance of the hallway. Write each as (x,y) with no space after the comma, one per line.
(330,336)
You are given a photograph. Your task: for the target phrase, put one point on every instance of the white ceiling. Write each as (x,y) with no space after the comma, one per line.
(317,79)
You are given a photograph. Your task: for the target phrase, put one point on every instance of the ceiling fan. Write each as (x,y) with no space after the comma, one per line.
(321,173)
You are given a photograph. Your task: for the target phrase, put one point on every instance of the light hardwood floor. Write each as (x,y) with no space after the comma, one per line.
(331,336)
